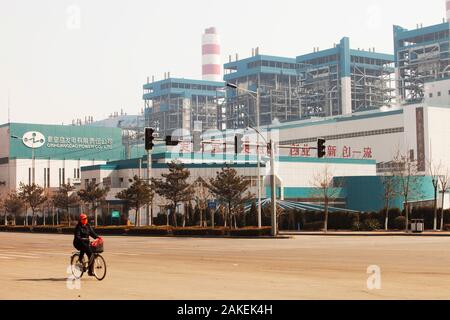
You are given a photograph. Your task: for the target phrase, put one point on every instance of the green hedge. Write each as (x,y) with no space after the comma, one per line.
(148,231)
(121,230)
(46,229)
(197,231)
(251,232)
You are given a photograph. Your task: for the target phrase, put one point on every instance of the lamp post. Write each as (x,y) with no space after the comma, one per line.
(33,162)
(273,188)
(256,96)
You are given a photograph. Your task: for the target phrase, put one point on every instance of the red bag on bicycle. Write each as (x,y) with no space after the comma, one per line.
(97,246)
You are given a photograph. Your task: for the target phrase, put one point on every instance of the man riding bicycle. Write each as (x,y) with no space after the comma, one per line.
(81,240)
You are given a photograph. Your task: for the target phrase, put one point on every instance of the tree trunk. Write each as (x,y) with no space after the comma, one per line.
(442,212)
(407,216)
(326,216)
(435,208)
(212,218)
(386,219)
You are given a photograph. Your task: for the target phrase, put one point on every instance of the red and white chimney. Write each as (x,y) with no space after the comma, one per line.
(448,9)
(211,61)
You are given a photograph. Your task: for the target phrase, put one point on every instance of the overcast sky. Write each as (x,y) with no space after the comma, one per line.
(61,60)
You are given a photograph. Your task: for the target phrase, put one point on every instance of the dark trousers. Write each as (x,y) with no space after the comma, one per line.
(84,248)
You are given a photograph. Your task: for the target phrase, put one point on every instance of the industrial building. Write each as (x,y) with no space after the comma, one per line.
(325,83)
(52,155)
(421,55)
(181,104)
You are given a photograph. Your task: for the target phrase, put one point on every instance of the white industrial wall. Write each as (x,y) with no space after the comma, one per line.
(437,122)
(4,142)
(21,169)
(440,91)
(384,147)
(302,175)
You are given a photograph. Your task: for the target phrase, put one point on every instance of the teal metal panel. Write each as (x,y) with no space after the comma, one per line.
(68,142)
(367,193)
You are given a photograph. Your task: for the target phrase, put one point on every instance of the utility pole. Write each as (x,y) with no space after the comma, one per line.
(273,189)
(258,156)
(149,180)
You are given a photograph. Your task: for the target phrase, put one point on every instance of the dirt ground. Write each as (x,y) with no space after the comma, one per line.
(34,266)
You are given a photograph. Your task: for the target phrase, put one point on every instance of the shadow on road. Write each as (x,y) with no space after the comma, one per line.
(43,280)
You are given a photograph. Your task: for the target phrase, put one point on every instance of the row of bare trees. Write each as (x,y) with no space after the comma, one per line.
(174,188)
(38,199)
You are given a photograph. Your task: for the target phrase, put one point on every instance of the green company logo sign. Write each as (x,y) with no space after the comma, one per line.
(33,139)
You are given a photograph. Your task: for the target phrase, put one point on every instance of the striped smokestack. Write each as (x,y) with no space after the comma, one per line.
(447,7)
(211,62)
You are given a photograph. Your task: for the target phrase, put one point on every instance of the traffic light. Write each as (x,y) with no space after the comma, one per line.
(169,141)
(238,147)
(321,148)
(149,138)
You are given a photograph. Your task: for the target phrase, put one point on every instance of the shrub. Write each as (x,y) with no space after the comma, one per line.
(199,231)
(251,232)
(45,229)
(400,223)
(20,229)
(357,226)
(148,231)
(313,226)
(112,230)
(372,225)
(68,230)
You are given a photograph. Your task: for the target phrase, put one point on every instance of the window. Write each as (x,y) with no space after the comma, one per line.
(430,95)
(29,176)
(439,94)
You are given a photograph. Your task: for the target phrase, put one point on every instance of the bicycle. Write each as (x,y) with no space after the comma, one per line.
(97,262)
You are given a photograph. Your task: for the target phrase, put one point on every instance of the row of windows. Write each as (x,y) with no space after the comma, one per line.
(442,35)
(271,64)
(189,86)
(347,136)
(365,60)
(47,180)
(323,60)
(439,94)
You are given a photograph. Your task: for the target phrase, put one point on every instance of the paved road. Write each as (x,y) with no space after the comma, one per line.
(33,266)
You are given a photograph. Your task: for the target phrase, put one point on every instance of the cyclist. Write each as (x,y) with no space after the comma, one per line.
(81,240)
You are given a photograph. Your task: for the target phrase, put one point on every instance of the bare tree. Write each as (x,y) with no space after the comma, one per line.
(389,193)
(434,174)
(326,190)
(13,204)
(444,180)
(201,197)
(94,195)
(34,196)
(409,182)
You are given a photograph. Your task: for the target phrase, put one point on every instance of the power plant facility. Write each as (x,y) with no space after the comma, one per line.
(368,106)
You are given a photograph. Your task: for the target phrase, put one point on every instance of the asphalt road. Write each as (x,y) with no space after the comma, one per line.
(34,266)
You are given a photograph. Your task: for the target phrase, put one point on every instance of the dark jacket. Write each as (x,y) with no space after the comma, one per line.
(82,234)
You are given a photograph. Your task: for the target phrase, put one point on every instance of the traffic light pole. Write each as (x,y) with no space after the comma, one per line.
(149,177)
(273,189)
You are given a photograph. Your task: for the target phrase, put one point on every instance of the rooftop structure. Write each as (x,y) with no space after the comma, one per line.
(174,104)
(421,55)
(324,83)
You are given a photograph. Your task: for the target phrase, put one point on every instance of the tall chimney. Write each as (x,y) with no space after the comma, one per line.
(211,59)
(447,7)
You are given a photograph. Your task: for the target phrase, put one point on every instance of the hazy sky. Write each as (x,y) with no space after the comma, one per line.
(61,60)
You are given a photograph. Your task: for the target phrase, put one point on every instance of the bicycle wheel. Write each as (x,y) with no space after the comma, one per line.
(76,266)
(99,268)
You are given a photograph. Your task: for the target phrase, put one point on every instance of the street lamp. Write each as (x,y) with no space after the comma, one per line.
(273,188)
(256,96)
(33,162)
